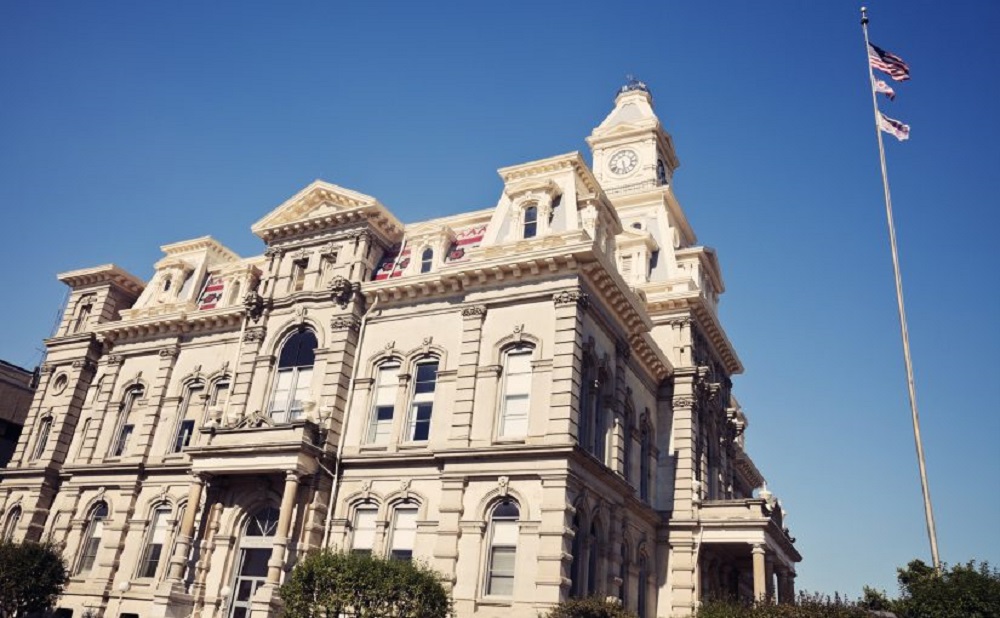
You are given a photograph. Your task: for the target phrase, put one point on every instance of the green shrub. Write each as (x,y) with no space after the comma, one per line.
(326,584)
(32,576)
(968,590)
(592,607)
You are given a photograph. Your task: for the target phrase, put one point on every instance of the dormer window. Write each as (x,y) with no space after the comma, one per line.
(530,222)
(661,172)
(166,283)
(426,260)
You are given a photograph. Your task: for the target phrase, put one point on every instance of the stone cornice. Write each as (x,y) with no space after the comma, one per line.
(204,243)
(569,161)
(104,274)
(664,303)
(709,264)
(171,324)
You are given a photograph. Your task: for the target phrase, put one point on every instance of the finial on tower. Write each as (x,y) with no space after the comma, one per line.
(631,84)
(864,16)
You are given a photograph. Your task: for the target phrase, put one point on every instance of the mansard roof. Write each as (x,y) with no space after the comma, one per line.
(323,205)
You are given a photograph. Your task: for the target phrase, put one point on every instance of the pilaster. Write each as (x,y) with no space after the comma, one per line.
(450,510)
(247,367)
(465,381)
(564,416)
(154,407)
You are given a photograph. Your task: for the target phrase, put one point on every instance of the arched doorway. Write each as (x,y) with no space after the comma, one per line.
(255,547)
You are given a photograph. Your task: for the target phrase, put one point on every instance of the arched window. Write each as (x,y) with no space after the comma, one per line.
(516,399)
(530,221)
(404,531)
(422,404)
(185,424)
(166,283)
(13,518)
(384,402)
(44,428)
(502,557)
(363,528)
(645,449)
(593,559)
(576,566)
(92,538)
(643,586)
(295,368)
(661,172)
(426,260)
(123,436)
(156,538)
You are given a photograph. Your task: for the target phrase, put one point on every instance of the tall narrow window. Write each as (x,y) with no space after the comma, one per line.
(503,549)
(363,537)
(643,586)
(530,221)
(644,454)
(10,526)
(298,280)
(588,396)
(185,426)
(627,267)
(123,436)
(426,260)
(423,401)
(386,388)
(593,559)
(627,443)
(44,428)
(92,538)
(623,575)
(83,314)
(234,294)
(576,566)
(516,393)
(295,368)
(404,533)
(155,540)
(82,436)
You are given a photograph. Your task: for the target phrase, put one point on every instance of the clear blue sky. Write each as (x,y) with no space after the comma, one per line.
(124,126)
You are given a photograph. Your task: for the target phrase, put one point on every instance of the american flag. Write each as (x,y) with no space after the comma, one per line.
(888,63)
(893,127)
(884,88)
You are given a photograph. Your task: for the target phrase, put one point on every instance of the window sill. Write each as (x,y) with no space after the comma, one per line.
(374,448)
(497,601)
(412,446)
(512,440)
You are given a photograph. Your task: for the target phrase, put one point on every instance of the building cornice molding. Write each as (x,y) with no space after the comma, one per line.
(226,318)
(664,305)
(103,274)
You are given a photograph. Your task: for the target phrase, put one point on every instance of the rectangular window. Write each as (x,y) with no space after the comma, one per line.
(386,388)
(154,543)
(91,545)
(626,267)
(184,433)
(503,552)
(404,533)
(300,393)
(363,539)
(299,275)
(121,442)
(423,402)
(43,438)
(517,394)
(220,394)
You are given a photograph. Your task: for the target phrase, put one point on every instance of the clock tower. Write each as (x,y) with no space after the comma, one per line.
(631,150)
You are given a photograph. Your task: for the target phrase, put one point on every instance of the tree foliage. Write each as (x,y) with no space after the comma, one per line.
(32,576)
(968,590)
(592,607)
(326,584)
(805,606)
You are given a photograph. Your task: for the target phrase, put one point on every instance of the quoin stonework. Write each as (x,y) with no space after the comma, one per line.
(533,398)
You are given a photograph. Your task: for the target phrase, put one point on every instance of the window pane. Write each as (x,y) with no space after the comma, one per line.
(364,529)
(404,531)
(282,387)
(184,433)
(421,422)
(514,427)
(505,533)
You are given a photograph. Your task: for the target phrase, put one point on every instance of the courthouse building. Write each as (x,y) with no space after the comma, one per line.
(533,398)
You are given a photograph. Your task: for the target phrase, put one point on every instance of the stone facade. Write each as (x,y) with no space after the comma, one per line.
(534,399)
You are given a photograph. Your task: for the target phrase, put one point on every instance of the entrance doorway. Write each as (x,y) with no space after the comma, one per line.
(256,544)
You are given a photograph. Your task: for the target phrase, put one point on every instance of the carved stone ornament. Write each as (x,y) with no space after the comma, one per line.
(46,368)
(685,321)
(168,352)
(256,334)
(623,349)
(115,359)
(253,302)
(301,254)
(503,485)
(366,489)
(571,297)
(345,322)
(342,290)
(84,364)
(474,311)
(684,402)
(271,252)
(404,488)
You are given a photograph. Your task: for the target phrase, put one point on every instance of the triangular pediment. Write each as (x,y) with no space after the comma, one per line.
(318,201)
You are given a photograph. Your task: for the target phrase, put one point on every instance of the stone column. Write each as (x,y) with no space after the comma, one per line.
(465,379)
(186,532)
(769,577)
(279,553)
(567,363)
(450,510)
(759,573)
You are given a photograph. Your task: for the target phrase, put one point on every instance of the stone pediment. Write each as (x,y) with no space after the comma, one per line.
(322,204)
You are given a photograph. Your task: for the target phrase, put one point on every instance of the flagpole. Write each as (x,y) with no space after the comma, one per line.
(911,385)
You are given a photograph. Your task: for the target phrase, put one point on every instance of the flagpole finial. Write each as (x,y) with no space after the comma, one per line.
(864,16)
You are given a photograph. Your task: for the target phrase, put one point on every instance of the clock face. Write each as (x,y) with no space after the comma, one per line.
(623,162)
